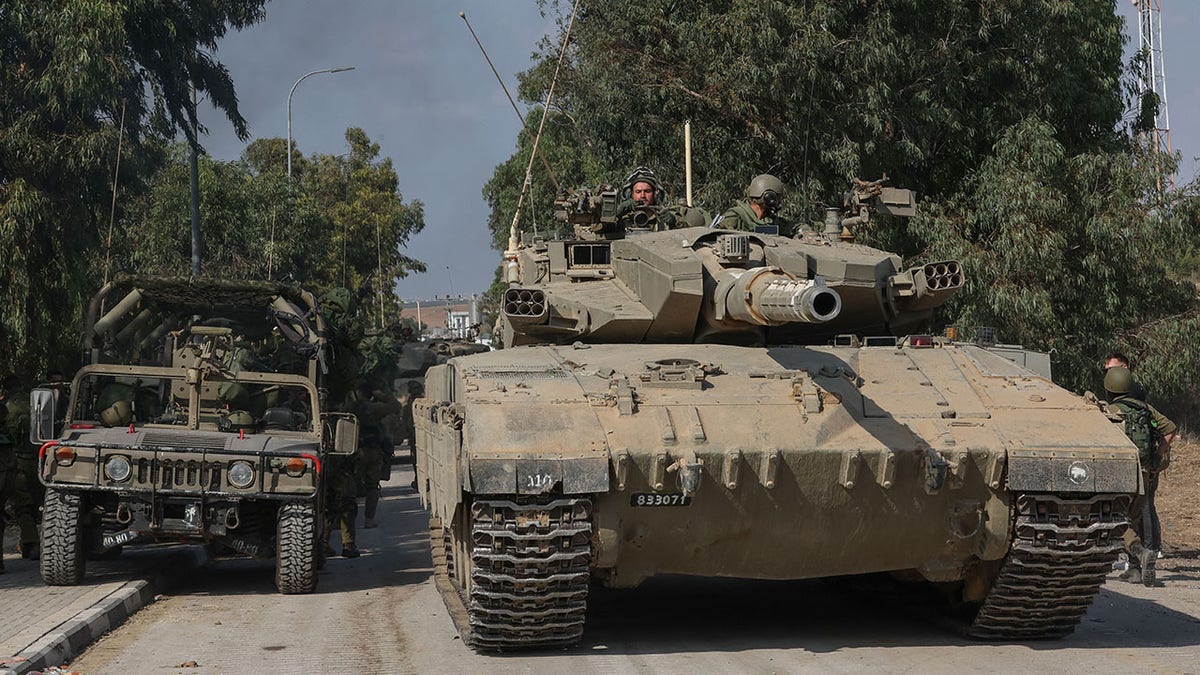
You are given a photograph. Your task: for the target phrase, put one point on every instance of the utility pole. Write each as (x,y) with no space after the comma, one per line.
(194,166)
(1154,81)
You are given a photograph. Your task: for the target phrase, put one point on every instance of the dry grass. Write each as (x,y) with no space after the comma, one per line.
(1179,499)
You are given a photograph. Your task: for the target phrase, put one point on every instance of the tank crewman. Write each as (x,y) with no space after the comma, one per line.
(759,211)
(642,196)
(1152,433)
(370,407)
(13,492)
(1118,359)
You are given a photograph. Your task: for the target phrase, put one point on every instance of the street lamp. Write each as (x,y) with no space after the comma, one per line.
(289,110)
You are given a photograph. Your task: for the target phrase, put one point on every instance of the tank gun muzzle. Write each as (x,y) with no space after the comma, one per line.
(767,296)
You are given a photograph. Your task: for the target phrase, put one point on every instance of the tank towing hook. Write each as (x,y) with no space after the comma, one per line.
(689,469)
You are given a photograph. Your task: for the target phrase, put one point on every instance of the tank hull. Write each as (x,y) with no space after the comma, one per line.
(780,463)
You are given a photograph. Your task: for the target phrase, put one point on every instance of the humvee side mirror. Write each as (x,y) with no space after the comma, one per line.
(345,436)
(41,416)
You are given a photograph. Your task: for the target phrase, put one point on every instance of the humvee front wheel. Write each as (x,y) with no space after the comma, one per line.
(296,542)
(62,561)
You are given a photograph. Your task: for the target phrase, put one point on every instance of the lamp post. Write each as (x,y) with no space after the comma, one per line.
(289,110)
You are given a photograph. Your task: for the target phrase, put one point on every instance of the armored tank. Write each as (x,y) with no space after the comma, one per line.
(724,403)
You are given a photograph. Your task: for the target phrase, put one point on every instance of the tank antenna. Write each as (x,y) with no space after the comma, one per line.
(687,159)
(511,253)
(549,171)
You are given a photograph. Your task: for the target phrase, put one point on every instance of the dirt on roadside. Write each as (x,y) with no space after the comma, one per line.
(1178,500)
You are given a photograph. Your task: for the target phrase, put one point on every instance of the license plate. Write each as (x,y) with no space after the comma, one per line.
(659,499)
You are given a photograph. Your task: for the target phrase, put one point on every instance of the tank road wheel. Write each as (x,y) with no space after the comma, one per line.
(296,549)
(527,576)
(62,538)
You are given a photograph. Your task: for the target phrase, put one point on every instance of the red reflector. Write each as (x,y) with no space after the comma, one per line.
(82,425)
(46,446)
(313,458)
(64,453)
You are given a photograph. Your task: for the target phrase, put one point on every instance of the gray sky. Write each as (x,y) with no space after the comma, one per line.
(422,90)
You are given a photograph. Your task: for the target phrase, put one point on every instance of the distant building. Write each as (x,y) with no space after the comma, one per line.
(445,317)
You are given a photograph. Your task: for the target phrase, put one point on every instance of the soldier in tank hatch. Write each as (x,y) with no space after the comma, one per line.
(759,212)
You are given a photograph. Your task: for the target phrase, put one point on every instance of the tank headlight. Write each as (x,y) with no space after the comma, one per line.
(116,468)
(241,475)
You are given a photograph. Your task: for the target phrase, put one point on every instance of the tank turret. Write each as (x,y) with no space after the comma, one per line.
(614,281)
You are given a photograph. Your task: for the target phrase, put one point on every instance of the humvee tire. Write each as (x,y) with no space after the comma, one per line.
(62,562)
(296,557)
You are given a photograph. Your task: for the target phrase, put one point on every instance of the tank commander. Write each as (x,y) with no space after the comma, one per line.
(759,212)
(1152,433)
(641,202)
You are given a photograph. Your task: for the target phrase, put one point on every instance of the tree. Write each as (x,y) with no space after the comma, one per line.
(75,75)
(341,221)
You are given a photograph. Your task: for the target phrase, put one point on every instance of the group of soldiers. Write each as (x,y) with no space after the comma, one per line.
(643,194)
(20,489)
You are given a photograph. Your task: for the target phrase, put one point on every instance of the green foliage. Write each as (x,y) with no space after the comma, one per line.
(73,73)
(341,222)
(1014,120)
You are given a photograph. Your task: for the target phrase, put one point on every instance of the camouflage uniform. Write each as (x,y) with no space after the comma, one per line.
(341,506)
(372,440)
(741,217)
(13,492)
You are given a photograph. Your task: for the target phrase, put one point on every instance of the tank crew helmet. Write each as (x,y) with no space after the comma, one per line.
(642,174)
(1118,380)
(118,414)
(337,301)
(767,189)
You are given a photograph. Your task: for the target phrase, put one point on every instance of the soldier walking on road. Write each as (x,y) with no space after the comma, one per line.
(370,408)
(1152,433)
(14,492)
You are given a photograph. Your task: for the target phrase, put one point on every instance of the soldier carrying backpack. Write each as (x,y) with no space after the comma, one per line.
(1152,433)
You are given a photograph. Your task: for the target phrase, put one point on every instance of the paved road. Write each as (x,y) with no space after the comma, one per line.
(381,614)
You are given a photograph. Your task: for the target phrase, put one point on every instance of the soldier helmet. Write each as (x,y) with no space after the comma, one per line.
(763,183)
(337,301)
(118,414)
(1118,380)
(641,174)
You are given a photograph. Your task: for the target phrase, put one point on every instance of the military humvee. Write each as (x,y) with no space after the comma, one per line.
(197,417)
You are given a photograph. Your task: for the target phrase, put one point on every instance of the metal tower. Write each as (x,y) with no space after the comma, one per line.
(1154,79)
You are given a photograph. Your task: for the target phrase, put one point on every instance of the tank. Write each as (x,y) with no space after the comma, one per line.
(722,403)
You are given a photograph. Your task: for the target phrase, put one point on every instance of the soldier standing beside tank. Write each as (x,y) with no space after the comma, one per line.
(371,406)
(1115,359)
(14,492)
(759,211)
(1152,433)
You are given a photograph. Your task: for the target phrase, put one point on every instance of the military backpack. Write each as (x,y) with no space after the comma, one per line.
(1141,428)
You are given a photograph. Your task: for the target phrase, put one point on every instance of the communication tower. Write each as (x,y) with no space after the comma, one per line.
(1154,79)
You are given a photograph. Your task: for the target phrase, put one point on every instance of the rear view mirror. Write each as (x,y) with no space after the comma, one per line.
(345,436)
(41,416)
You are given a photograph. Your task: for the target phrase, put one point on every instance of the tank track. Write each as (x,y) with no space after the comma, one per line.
(528,570)
(1061,553)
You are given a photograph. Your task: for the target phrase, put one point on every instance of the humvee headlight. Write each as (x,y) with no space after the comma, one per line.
(241,475)
(116,468)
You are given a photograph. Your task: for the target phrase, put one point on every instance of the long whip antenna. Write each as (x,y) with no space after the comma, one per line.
(549,171)
(512,231)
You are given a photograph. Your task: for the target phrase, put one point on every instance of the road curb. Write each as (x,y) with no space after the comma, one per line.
(66,641)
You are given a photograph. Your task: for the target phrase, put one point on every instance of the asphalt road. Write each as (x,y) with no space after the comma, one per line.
(381,614)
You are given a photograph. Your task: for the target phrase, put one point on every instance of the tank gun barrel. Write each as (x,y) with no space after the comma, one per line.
(767,296)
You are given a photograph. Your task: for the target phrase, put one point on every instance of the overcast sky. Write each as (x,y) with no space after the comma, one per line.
(422,90)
